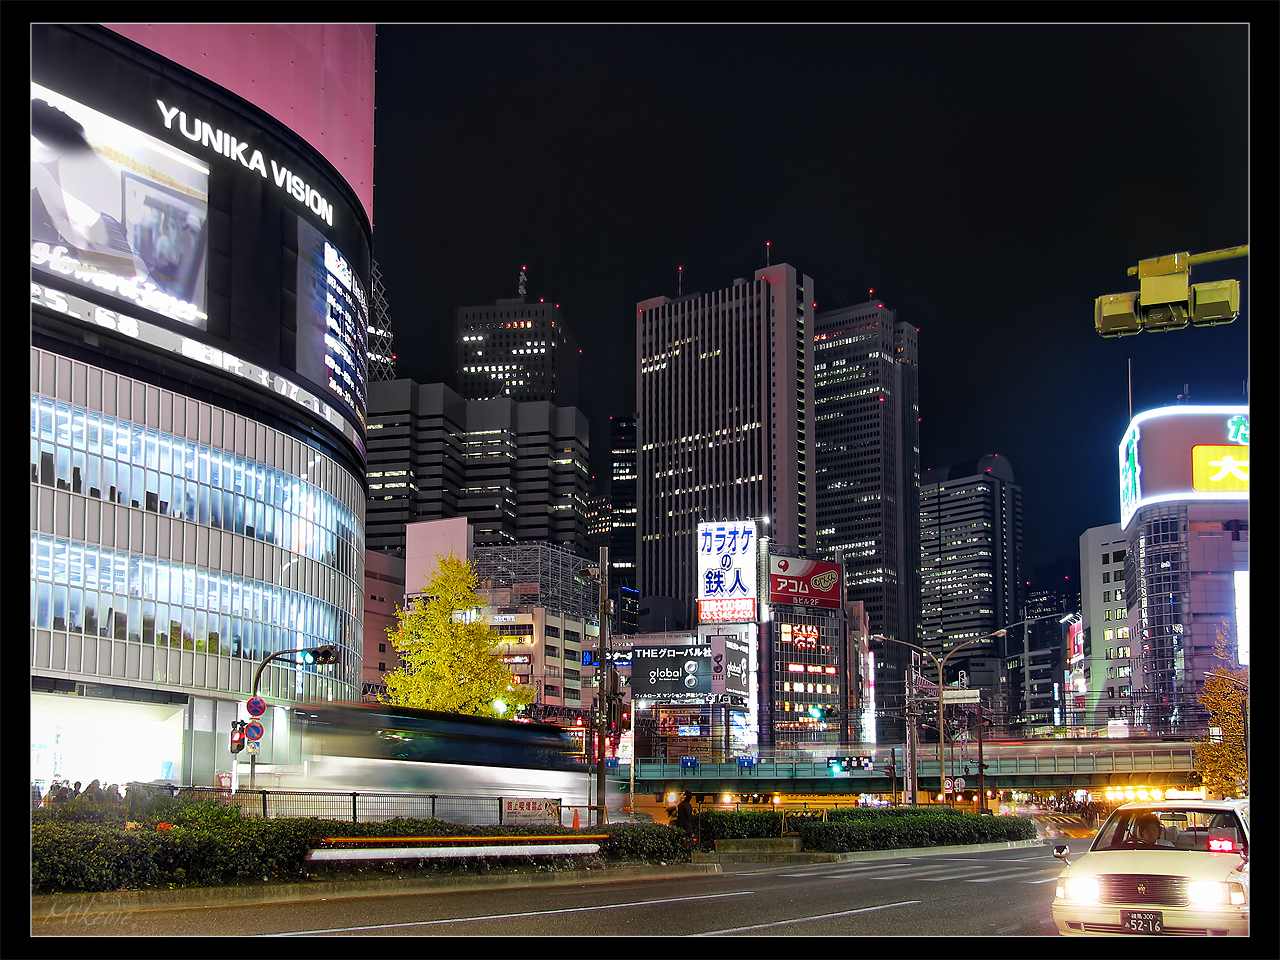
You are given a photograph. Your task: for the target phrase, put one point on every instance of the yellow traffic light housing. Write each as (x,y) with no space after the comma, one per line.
(1116,314)
(1166,298)
(1215,302)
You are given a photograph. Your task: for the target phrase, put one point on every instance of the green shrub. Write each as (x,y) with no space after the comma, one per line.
(904,832)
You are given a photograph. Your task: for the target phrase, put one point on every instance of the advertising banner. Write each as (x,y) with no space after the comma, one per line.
(730,665)
(809,583)
(1184,453)
(727,571)
(671,674)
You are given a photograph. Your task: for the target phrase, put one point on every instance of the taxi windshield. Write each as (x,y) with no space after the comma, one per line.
(1164,828)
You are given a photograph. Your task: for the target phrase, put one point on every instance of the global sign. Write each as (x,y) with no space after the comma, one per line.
(809,583)
(671,674)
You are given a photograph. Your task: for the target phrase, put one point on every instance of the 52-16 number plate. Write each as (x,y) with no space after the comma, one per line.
(1142,921)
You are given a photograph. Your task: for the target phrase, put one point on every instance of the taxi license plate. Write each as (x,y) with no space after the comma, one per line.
(1143,921)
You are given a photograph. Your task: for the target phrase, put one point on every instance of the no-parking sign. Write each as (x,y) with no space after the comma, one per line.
(256,706)
(253,731)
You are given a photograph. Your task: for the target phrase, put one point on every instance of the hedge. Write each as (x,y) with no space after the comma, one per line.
(207,844)
(927,830)
(86,848)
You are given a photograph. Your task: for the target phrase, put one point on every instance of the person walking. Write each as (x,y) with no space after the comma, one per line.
(684,818)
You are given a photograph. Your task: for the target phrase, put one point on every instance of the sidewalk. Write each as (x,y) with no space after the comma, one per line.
(132,901)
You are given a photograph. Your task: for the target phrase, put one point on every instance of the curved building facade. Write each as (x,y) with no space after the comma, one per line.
(199,291)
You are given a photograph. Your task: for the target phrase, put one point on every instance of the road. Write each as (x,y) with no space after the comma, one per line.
(989,893)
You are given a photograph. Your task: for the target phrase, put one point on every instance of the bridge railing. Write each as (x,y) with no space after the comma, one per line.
(999,761)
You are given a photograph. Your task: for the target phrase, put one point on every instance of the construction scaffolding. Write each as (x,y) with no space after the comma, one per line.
(542,574)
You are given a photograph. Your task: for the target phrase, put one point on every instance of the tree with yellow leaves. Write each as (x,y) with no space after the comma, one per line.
(1222,758)
(448,653)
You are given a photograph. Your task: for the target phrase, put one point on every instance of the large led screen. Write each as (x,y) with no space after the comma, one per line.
(333,319)
(115,209)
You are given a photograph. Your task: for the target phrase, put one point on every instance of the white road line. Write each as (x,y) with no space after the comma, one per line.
(997,876)
(824,916)
(506,916)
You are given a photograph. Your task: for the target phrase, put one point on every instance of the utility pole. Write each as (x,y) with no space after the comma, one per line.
(982,782)
(604,683)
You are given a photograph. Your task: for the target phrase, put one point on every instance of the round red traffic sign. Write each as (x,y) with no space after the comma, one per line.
(254,731)
(256,706)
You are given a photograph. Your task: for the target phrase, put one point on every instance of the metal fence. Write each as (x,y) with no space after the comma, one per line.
(356,807)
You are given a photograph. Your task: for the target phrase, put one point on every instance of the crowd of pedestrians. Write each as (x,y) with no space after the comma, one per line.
(1084,809)
(62,792)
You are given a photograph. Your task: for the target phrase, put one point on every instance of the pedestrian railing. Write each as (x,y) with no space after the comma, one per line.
(357,807)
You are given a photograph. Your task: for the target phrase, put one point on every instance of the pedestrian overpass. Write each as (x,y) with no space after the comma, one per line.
(1046,766)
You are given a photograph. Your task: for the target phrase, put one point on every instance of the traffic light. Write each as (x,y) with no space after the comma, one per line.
(1166,298)
(319,655)
(615,716)
(237,735)
(837,764)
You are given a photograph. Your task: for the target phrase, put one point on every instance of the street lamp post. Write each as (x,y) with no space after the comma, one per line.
(942,736)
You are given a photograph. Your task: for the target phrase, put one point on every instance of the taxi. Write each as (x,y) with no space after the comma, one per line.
(1171,868)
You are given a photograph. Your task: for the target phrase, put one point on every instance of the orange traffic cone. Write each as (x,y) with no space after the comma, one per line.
(575,819)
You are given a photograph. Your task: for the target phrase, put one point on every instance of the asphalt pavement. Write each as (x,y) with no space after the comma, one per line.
(193,898)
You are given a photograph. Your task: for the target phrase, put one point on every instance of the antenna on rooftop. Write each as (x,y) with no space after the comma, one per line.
(523,280)
(766,253)
(679,281)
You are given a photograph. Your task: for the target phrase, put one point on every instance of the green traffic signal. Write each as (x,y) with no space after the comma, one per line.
(320,655)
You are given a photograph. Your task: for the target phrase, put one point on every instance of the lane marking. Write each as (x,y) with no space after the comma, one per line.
(997,876)
(824,916)
(506,916)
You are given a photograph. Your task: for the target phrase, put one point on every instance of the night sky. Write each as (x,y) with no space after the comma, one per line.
(988,182)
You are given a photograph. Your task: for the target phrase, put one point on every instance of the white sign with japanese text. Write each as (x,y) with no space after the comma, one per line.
(727,571)
(529,810)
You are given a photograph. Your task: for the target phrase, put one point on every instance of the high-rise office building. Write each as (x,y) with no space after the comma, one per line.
(517,471)
(971,563)
(867,452)
(622,501)
(724,390)
(517,349)
(1106,667)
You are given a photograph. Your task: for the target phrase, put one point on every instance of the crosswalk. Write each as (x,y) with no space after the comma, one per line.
(1031,870)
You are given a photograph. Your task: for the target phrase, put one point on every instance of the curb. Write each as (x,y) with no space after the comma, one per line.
(897,853)
(46,906)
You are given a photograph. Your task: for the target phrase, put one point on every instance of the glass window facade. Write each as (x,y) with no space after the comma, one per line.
(172,540)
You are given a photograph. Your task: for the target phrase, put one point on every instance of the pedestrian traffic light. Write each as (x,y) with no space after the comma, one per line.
(319,655)
(237,735)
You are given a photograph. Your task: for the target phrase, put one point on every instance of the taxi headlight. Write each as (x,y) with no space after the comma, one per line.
(1079,889)
(1211,893)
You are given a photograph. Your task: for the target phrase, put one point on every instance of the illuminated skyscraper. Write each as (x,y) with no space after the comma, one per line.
(970,565)
(519,350)
(725,427)
(622,501)
(866,375)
